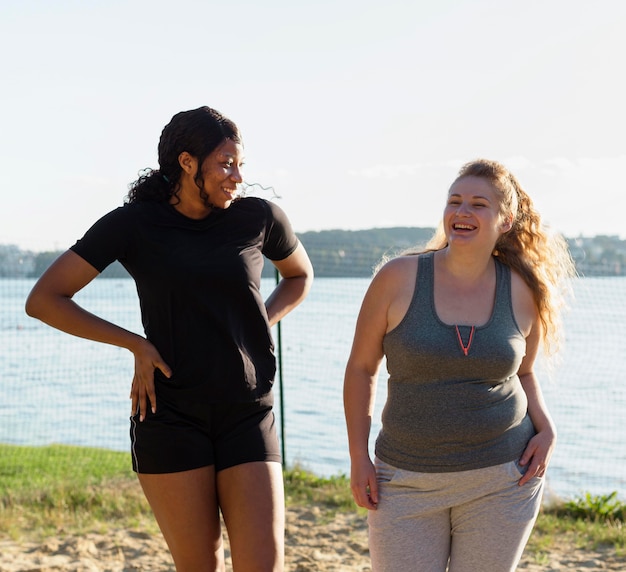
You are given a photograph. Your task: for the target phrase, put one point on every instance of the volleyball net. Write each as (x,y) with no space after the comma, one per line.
(57,388)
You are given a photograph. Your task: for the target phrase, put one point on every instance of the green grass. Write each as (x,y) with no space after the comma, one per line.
(47,489)
(589,521)
(63,489)
(304,488)
(44,490)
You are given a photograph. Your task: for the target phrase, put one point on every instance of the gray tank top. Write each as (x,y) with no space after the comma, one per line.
(447,411)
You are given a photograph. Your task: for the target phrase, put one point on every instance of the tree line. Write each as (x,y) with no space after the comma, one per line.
(351,253)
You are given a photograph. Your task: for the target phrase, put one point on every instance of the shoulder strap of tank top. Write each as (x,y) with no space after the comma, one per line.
(425,270)
(425,283)
(503,301)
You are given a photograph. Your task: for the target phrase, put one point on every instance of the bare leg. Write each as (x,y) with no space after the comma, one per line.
(185,506)
(252,496)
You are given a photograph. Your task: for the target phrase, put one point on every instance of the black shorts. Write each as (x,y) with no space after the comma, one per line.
(186,433)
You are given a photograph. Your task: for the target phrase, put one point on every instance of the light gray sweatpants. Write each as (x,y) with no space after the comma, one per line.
(467,521)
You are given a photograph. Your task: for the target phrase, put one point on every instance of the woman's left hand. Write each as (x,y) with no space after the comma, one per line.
(537,454)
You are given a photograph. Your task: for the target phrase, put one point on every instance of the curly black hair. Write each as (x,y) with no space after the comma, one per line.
(199,132)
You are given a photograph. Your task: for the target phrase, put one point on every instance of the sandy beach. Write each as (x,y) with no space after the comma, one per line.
(315,542)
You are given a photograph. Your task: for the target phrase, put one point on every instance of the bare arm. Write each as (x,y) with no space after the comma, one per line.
(297,276)
(51,302)
(360,382)
(540,448)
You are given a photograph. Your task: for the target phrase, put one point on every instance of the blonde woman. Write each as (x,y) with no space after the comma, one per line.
(466,436)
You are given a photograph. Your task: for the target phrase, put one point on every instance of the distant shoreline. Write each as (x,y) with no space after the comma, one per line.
(349,253)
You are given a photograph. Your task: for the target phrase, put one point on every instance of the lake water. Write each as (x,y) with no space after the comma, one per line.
(55,388)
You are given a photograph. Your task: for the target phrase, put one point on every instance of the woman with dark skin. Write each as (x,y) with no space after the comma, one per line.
(202,428)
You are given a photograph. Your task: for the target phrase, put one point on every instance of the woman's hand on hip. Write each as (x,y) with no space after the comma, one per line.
(147,360)
(537,454)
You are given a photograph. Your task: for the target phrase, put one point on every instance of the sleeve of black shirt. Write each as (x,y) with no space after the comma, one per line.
(105,241)
(280,239)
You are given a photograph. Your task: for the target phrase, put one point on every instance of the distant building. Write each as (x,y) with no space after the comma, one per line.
(15,263)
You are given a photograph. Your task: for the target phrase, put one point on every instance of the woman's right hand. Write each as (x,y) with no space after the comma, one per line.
(364,484)
(51,301)
(147,360)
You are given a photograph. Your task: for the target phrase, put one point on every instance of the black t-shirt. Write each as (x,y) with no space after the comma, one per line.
(199,289)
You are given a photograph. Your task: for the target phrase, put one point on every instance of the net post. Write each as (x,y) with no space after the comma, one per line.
(279,356)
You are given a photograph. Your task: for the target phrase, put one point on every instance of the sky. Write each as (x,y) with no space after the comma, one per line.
(357,113)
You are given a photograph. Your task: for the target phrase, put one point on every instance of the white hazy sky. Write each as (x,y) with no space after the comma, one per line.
(358,112)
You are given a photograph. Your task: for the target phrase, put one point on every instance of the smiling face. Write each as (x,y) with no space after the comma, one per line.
(221,172)
(473,213)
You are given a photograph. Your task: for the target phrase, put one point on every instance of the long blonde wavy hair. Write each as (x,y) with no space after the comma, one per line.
(541,258)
